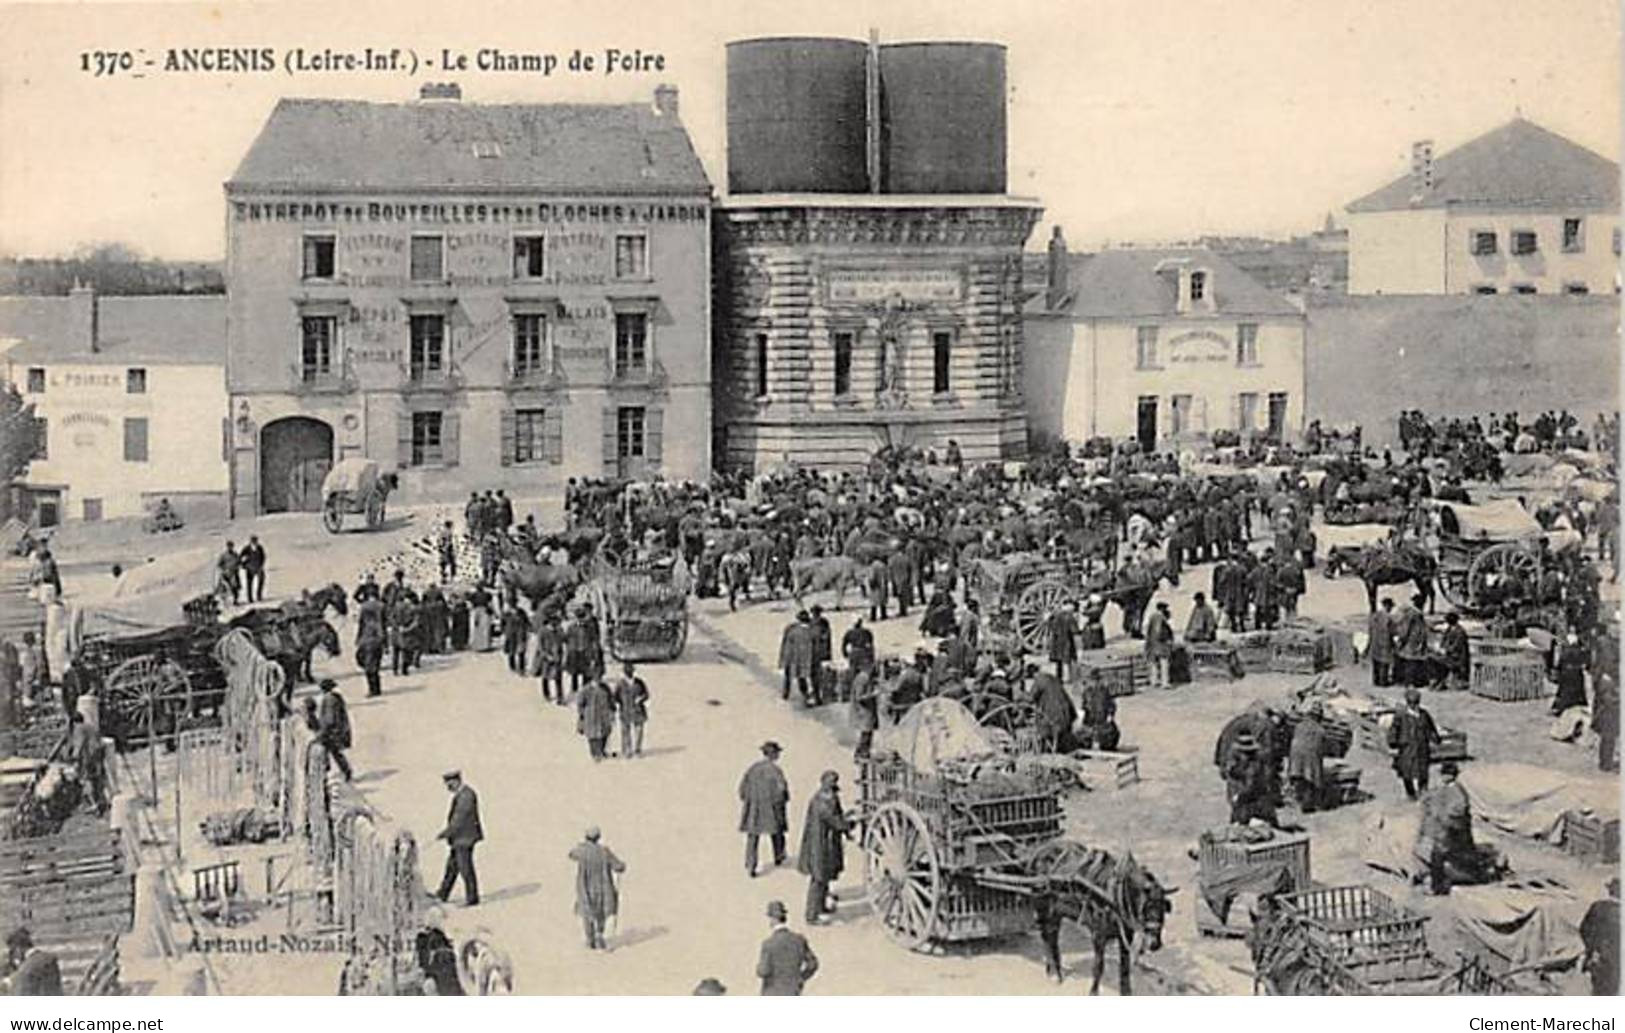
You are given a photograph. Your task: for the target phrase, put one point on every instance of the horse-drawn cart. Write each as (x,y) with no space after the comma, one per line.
(645,607)
(355,485)
(150,684)
(1487,553)
(1017,593)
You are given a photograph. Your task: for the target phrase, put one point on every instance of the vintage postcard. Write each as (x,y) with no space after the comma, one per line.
(913,499)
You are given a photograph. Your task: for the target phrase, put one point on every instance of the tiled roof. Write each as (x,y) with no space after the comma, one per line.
(450,145)
(1126,283)
(1519,165)
(172,330)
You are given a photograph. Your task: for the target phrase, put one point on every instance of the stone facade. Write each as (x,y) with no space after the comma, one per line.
(847,324)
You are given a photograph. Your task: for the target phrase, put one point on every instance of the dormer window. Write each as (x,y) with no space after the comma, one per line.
(1198,285)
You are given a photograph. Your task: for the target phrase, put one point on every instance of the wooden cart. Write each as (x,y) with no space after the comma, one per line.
(355,486)
(1487,552)
(149,684)
(645,607)
(1017,594)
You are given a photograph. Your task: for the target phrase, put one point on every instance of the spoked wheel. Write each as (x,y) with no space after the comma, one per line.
(332,517)
(1498,564)
(1033,608)
(143,686)
(1453,586)
(902,874)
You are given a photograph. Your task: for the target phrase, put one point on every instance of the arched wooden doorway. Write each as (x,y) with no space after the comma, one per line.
(295,455)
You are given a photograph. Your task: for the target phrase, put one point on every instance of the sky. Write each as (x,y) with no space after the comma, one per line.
(1129,120)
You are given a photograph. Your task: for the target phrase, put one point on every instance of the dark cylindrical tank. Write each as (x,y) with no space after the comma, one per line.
(796,116)
(942,118)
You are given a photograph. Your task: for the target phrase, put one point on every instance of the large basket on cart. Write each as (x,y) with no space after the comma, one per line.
(645,608)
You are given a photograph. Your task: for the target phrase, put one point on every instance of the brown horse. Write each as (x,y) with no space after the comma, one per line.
(1379,565)
(1114,898)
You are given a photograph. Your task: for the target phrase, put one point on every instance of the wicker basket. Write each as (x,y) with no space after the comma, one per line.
(1509,677)
(1365,931)
(1591,837)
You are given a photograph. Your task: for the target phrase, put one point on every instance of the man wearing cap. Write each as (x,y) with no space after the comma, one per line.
(632,703)
(1599,932)
(823,857)
(1445,837)
(333,717)
(1063,639)
(462,831)
(1412,737)
(764,795)
(597,898)
(796,657)
(32,972)
(787,961)
(1203,625)
(1411,643)
(1159,644)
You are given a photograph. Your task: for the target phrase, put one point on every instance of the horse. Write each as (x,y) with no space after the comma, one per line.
(1379,565)
(332,595)
(289,640)
(832,573)
(1114,898)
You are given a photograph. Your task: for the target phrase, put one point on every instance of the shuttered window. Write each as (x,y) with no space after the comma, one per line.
(529,435)
(428,358)
(631,343)
(429,438)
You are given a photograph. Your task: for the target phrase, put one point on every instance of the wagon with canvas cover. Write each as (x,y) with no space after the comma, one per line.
(355,485)
(1017,593)
(1486,552)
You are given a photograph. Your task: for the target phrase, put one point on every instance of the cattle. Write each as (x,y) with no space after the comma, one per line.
(825,574)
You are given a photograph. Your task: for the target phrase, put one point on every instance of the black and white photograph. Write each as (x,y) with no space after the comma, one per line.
(922,499)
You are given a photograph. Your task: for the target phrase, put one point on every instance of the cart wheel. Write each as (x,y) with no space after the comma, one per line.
(332,518)
(902,874)
(143,685)
(375,513)
(1033,608)
(1498,562)
(1453,586)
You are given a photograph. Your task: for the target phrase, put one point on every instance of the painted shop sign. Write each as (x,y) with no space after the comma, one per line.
(466,212)
(1199,346)
(88,380)
(870,286)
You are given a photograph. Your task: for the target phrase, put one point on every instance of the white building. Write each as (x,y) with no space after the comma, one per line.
(1161,345)
(132,395)
(1519,210)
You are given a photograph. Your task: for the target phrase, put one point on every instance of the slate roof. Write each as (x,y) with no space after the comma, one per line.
(1125,283)
(156,330)
(450,145)
(1519,165)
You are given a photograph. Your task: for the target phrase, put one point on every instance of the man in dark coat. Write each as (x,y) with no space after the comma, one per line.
(1203,623)
(764,795)
(1238,590)
(1568,662)
(1306,760)
(876,583)
(787,961)
(595,716)
(580,650)
(858,646)
(1099,714)
(334,719)
(822,644)
(823,857)
(1383,645)
(1289,584)
(1411,643)
(550,655)
(597,897)
(462,831)
(1056,713)
(1412,737)
(515,636)
(796,657)
(252,558)
(1455,655)
(31,972)
(1063,639)
(632,704)
(900,572)
(1261,587)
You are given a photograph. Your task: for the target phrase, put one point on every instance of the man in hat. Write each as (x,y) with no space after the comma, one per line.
(787,961)
(900,572)
(31,972)
(1411,643)
(1063,639)
(1099,714)
(580,649)
(1306,760)
(1455,664)
(252,559)
(864,709)
(515,637)
(764,795)
(1203,624)
(333,718)
(1056,713)
(796,648)
(858,646)
(1599,932)
(462,831)
(1412,737)
(1247,779)
(822,645)
(597,897)
(1159,644)
(632,704)
(1445,837)
(710,986)
(595,716)
(1382,646)
(823,857)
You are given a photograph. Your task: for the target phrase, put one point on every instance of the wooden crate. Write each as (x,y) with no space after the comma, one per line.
(1215,660)
(1288,849)
(1301,653)
(1591,837)
(1256,650)
(1123,675)
(1372,937)
(1452,745)
(1509,677)
(37,738)
(1342,784)
(1103,768)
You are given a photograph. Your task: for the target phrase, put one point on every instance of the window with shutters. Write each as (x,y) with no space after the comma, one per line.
(843,363)
(135,381)
(631,344)
(428,259)
(629,427)
(135,439)
(318,257)
(529,435)
(428,357)
(428,439)
(631,256)
(1247,344)
(36,380)
(529,257)
(1145,348)
(529,344)
(317,334)
(761,365)
(941,358)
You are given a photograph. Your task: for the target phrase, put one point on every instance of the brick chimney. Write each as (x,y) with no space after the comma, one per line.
(1056,271)
(666,100)
(83,317)
(1421,169)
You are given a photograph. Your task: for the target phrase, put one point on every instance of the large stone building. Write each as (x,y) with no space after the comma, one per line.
(1519,210)
(1165,346)
(132,398)
(478,295)
(869,269)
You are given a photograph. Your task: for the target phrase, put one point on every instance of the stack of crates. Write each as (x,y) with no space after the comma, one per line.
(1591,837)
